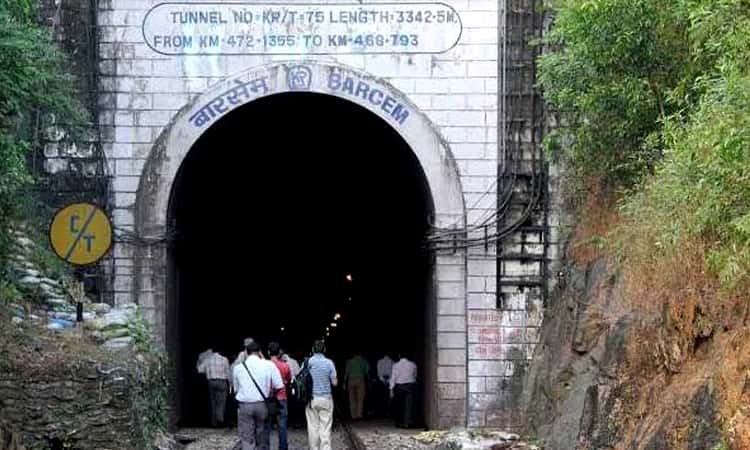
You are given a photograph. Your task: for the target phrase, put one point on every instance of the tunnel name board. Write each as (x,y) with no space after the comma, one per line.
(301,77)
(301,28)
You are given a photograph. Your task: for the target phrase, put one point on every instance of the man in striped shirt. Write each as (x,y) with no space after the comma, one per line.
(319,412)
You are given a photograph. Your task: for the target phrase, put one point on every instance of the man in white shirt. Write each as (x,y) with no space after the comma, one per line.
(384,368)
(252,412)
(403,386)
(293,364)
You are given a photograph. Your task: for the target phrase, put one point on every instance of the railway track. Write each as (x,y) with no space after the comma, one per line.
(350,436)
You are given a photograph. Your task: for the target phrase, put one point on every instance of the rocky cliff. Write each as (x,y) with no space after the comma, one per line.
(612,372)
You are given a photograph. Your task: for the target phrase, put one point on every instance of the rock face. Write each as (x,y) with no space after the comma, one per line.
(608,375)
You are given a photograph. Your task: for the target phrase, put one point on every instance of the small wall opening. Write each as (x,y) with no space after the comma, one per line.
(274,206)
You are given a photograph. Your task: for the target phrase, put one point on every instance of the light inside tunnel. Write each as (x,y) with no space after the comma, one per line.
(272,205)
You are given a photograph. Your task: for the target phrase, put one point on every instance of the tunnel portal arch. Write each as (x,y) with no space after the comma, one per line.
(151,271)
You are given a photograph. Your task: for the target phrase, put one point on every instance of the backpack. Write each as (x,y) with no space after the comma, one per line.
(301,387)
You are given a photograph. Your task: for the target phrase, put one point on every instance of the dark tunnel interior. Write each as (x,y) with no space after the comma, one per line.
(273,207)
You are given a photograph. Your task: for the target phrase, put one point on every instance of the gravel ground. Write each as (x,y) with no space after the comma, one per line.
(381,435)
(211,439)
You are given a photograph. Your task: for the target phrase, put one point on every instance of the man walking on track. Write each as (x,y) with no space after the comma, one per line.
(216,368)
(319,412)
(249,377)
(274,352)
(355,380)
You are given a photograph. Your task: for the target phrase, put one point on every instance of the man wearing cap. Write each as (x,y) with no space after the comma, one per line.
(252,412)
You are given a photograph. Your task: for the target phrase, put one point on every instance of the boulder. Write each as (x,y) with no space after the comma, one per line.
(60,324)
(29,280)
(99,308)
(116,318)
(118,343)
(112,333)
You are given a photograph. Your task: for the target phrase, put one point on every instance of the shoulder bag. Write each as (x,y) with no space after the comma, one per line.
(272,403)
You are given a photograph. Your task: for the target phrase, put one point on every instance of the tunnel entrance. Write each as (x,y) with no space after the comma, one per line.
(289,211)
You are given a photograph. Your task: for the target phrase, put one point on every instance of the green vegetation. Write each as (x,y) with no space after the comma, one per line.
(654,96)
(149,394)
(33,80)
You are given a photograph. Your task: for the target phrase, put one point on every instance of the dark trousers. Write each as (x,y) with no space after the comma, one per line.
(282,422)
(217,392)
(403,397)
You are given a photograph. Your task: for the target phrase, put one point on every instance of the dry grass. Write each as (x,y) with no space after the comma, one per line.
(597,217)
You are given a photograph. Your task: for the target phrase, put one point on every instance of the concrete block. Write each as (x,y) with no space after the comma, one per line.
(448,69)
(129,167)
(467,86)
(168,69)
(475,284)
(483,318)
(153,117)
(123,283)
(451,323)
(451,374)
(133,134)
(450,273)
(451,290)
(451,340)
(478,184)
(170,101)
(483,101)
(479,267)
(485,335)
(124,199)
(472,151)
(478,134)
(451,307)
(122,216)
(514,335)
(449,101)
(482,401)
(483,69)
(477,384)
(454,134)
(486,351)
(133,101)
(484,5)
(481,300)
(122,298)
(513,319)
(121,250)
(489,368)
(125,184)
(423,101)
(452,391)
(452,357)
(432,86)
(476,419)
(478,19)
(483,35)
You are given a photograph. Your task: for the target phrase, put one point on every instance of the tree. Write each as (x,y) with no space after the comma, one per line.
(33,80)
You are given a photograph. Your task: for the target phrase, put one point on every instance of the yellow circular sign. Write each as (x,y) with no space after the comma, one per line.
(80,234)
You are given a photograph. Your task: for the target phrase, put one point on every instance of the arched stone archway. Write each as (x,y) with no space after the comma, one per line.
(151,274)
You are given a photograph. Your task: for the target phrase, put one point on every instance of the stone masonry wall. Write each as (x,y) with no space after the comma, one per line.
(85,407)
(141,90)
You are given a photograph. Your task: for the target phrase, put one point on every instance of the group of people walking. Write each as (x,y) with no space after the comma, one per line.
(393,388)
(261,387)
(254,380)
